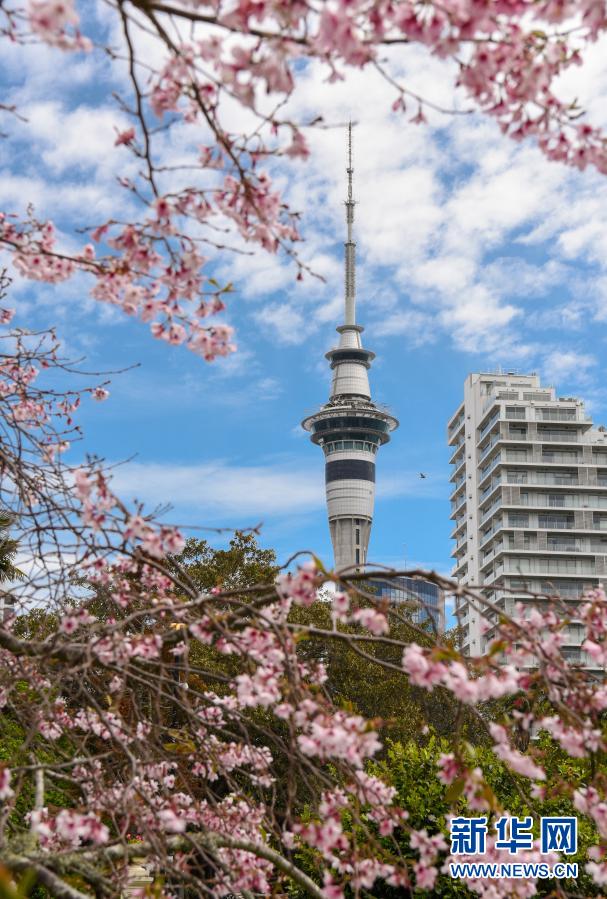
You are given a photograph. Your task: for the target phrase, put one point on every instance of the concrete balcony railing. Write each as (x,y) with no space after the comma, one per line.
(555,524)
(488,425)
(456,486)
(545,567)
(485,472)
(557,415)
(547,480)
(485,452)
(486,537)
(491,511)
(456,451)
(458,503)
(489,489)
(565,437)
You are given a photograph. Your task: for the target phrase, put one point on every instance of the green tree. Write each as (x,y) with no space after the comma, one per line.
(242,564)
(8,551)
(367,677)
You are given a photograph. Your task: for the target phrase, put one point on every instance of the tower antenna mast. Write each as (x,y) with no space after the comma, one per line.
(350,245)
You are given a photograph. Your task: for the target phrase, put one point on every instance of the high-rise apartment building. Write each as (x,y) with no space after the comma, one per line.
(529,500)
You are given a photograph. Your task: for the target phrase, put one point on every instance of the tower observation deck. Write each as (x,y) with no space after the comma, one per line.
(350,428)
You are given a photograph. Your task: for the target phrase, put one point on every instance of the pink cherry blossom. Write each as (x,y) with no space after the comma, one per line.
(302,586)
(515,760)
(449,768)
(5,784)
(373,620)
(125,137)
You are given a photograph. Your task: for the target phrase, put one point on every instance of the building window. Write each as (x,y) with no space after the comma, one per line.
(517,477)
(357,555)
(518,520)
(518,432)
(358,536)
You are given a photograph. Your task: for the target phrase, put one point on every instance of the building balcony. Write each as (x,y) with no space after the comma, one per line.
(455,420)
(459,448)
(579,548)
(534,458)
(555,524)
(543,480)
(488,425)
(487,449)
(499,526)
(459,524)
(545,568)
(459,466)
(457,486)
(459,569)
(491,511)
(489,490)
(507,600)
(569,415)
(457,504)
(485,472)
(455,430)
(564,437)
(581,501)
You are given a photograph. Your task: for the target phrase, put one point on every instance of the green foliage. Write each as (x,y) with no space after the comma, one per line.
(357,679)
(19,748)
(411,768)
(8,551)
(35,624)
(243,564)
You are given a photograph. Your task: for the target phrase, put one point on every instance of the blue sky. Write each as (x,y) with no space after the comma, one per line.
(474,252)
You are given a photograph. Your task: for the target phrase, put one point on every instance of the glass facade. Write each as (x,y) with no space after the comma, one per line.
(338,445)
(350,421)
(427,600)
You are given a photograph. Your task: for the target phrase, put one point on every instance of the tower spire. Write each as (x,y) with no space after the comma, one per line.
(350,245)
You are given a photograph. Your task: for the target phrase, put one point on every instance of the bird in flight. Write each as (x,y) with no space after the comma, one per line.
(422,475)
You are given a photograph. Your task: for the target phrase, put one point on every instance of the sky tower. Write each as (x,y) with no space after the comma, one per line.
(350,427)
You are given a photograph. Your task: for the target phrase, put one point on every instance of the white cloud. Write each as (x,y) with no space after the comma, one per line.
(268,388)
(479,317)
(216,490)
(287,323)
(82,137)
(415,326)
(563,366)
(447,274)
(220,491)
